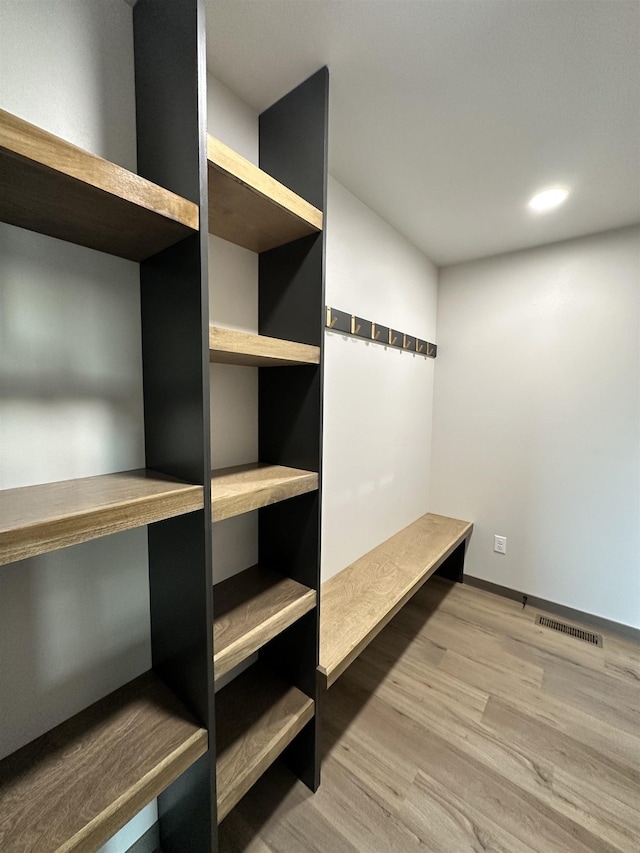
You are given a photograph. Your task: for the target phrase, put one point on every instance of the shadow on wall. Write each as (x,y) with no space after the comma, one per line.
(70,361)
(74,625)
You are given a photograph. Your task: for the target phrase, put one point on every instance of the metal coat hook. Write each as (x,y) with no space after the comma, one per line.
(331,321)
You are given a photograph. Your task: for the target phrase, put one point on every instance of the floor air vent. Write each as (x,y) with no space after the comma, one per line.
(571,630)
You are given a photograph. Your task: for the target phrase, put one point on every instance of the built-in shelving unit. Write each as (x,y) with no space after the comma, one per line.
(243,488)
(249,207)
(73,788)
(252,608)
(272,609)
(227,346)
(37,519)
(257,716)
(53,187)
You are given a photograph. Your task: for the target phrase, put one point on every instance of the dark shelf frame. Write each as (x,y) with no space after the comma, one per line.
(170,69)
(293,149)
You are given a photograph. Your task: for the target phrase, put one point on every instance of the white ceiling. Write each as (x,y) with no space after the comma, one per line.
(447,115)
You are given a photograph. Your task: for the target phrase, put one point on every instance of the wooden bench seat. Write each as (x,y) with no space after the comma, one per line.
(359,601)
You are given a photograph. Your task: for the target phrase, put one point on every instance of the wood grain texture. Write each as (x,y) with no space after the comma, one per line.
(74,787)
(227,346)
(243,488)
(249,207)
(469,747)
(360,600)
(53,187)
(257,715)
(251,608)
(37,519)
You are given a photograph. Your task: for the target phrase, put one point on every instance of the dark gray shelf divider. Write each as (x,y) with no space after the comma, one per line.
(169,40)
(293,149)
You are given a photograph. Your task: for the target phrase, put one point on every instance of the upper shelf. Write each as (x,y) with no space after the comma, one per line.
(37,519)
(251,608)
(250,208)
(243,488)
(227,346)
(72,789)
(53,187)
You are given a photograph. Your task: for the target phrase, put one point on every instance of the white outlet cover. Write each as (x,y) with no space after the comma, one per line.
(500,544)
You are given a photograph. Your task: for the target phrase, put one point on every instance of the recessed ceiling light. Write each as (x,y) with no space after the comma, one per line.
(548,199)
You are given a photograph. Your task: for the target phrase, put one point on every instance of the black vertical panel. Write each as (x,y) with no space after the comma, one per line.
(293,149)
(293,139)
(170,296)
(167,96)
(169,42)
(291,301)
(289,538)
(182,807)
(289,402)
(453,566)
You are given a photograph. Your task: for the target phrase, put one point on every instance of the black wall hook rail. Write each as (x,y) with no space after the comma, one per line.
(350,324)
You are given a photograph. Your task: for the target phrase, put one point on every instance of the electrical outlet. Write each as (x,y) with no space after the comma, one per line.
(500,544)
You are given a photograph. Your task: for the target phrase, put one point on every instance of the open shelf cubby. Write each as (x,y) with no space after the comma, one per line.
(42,518)
(257,716)
(243,488)
(53,187)
(75,786)
(251,608)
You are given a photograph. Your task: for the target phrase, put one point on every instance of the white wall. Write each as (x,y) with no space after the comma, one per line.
(377,400)
(74,624)
(537,420)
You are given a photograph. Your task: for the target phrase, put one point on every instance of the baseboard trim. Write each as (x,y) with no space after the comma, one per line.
(149,842)
(559,609)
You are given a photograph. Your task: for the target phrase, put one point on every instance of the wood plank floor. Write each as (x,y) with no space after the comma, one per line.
(465,727)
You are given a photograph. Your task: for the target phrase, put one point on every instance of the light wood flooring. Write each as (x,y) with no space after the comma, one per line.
(465,727)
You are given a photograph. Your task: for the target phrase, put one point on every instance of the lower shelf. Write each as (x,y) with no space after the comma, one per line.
(257,716)
(73,788)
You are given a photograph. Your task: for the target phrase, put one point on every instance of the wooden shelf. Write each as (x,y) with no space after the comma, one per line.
(53,187)
(257,716)
(360,600)
(73,788)
(243,488)
(37,519)
(227,346)
(250,609)
(249,207)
